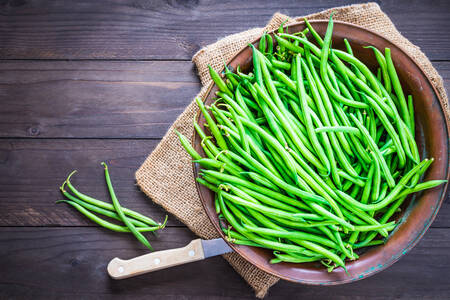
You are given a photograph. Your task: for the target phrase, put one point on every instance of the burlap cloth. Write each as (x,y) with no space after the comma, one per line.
(166,176)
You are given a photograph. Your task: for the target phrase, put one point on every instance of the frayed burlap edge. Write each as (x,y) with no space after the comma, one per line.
(166,176)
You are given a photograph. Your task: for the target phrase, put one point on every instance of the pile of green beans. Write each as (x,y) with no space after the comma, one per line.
(310,154)
(90,207)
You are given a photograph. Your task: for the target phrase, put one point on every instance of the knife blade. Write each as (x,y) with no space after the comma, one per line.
(196,250)
(215,247)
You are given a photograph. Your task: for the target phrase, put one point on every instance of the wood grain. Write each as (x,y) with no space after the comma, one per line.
(88,99)
(141,29)
(131,78)
(33,169)
(71,263)
(95,99)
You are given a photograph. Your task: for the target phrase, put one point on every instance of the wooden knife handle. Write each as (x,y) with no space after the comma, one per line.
(120,269)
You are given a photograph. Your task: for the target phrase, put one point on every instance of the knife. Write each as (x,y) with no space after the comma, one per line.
(196,250)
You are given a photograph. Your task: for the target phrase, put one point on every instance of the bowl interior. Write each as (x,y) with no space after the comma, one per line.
(417,213)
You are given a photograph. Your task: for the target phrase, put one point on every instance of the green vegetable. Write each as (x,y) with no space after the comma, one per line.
(310,154)
(88,206)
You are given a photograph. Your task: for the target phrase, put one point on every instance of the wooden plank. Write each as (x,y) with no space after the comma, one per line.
(93,98)
(88,99)
(70,262)
(111,29)
(33,170)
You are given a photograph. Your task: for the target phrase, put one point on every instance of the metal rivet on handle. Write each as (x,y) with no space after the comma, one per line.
(191,253)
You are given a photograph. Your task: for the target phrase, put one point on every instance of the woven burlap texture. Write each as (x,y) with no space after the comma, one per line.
(167,177)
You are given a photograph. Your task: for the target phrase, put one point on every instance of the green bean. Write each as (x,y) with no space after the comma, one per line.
(368,184)
(291,84)
(269,44)
(273,202)
(187,146)
(348,129)
(284,43)
(309,125)
(312,246)
(282,169)
(390,197)
(230,77)
(303,225)
(230,101)
(362,67)
(324,73)
(347,185)
(397,88)
(216,151)
(250,103)
(242,104)
(262,43)
(383,192)
(297,235)
(241,130)
(376,179)
(219,82)
(245,217)
(212,125)
(307,177)
(256,149)
(266,209)
(280,112)
(319,209)
(274,143)
(356,181)
(211,182)
(212,164)
(289,258)
(109,213)
(280,64)
(388,226)
(106,224)
(250,77)
(325,142)
(411,114)
(355,69)
(270,221)
(343,248)
(373,146)
(206,149)
(275,127)
(237,238)
(327,108)
(314,33)
(120,212)
(372,126)
(420,187)
(268,192)
(378,74)
(260,179)
(360,151)
(102,204)
(280,47)
(382,62)
(267,243)
(308,147)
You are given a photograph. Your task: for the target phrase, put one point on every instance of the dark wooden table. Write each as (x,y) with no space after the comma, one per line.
(88,81)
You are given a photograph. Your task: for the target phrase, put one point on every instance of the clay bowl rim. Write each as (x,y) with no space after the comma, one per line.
(372,271)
